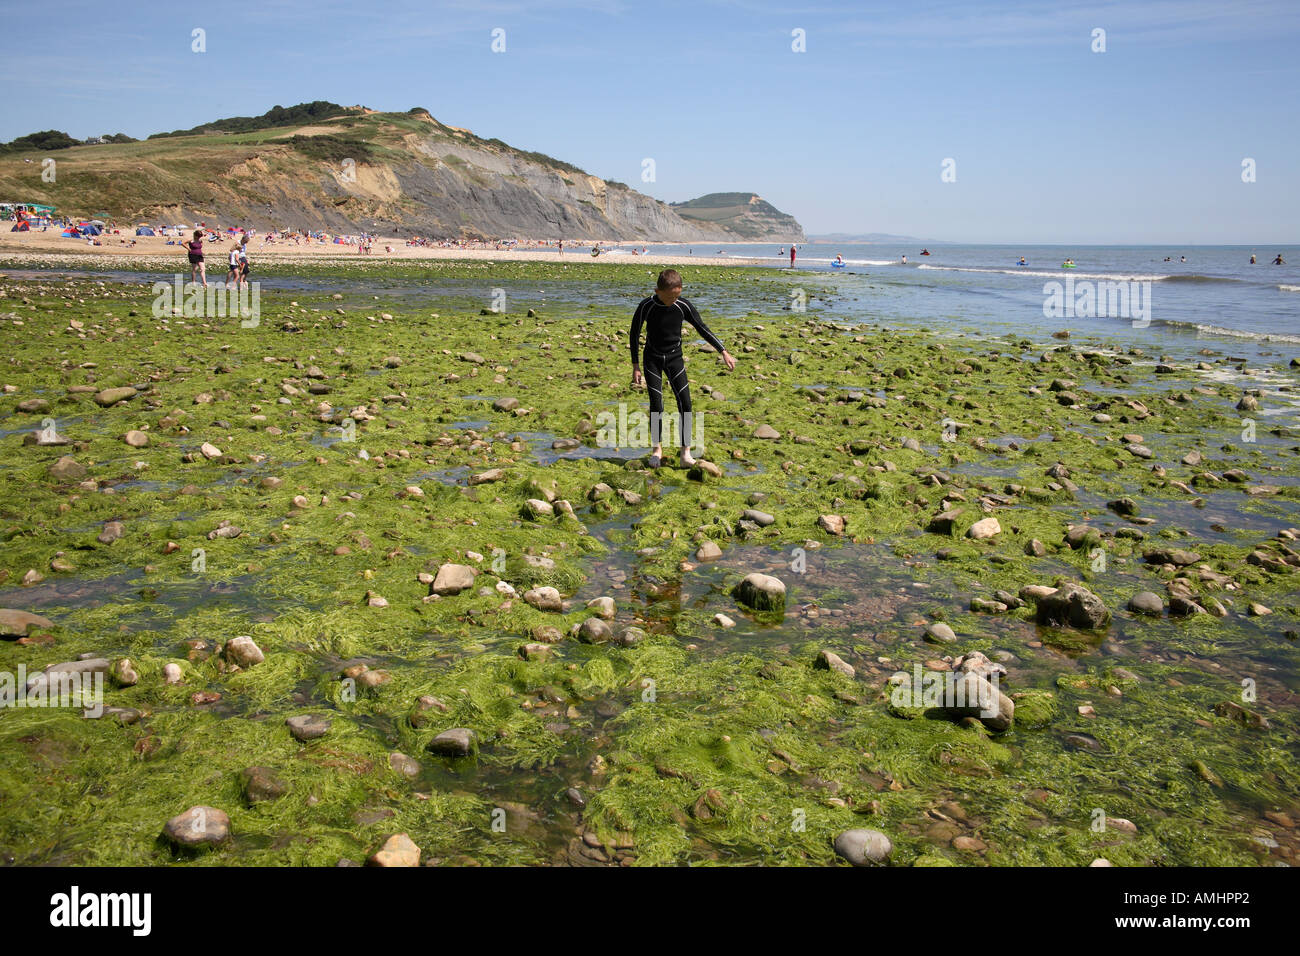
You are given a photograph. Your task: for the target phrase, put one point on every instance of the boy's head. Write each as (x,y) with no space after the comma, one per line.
(669,286)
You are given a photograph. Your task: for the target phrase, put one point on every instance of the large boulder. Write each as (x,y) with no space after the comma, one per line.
(108,397)
(243,651)
(398,850)
(198,826)
(1073,605)
(67,468)
(985,528)
(453,578)
(457,742)
(863,847)
(60,678)
(544,599)
(17,623)
(307,727)
(762,592)
(973,696)
(594,631)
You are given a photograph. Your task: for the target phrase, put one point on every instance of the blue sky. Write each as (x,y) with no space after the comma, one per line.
(1051,141)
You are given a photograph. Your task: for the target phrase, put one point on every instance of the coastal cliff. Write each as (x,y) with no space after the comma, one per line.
(350,169)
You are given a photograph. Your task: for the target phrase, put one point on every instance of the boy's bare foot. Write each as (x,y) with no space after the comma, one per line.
(687,458)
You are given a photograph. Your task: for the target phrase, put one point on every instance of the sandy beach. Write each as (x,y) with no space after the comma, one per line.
(50,246)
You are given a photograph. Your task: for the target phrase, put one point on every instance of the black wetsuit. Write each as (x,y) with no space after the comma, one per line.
(663,355)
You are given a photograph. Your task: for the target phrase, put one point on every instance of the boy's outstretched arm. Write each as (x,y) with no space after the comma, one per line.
(693,317)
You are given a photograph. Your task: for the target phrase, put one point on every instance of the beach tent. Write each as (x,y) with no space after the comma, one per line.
(144,231)
(21,226)
(70,233)
(89,228)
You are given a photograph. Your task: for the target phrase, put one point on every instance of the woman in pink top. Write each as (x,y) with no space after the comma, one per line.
(195,249)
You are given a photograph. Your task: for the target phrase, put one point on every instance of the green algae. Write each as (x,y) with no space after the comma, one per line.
(782,755)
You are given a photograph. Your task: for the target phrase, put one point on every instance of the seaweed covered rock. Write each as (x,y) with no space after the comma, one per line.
(457,742)
(762,592)
(973,696)
(544,599)
(1073,605)
(199,826)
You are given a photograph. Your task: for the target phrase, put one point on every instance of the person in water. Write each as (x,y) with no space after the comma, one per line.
(1182,258)
(1279,261)
(662,314)
(904,260)
(839,258)
(1252,258)
(1023,262)
(792,255)
(925,252)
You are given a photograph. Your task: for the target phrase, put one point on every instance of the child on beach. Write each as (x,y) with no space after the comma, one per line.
(195,249)
(232,277)
(662,314)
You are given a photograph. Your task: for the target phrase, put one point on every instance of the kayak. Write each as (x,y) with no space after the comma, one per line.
(1067,265)
(838,265)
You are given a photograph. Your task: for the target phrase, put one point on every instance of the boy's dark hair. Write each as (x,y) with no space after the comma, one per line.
(669,279)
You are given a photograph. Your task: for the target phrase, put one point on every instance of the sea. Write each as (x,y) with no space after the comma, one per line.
(1173,294)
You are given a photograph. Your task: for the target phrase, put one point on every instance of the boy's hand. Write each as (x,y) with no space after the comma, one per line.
(728,360)
(636,376)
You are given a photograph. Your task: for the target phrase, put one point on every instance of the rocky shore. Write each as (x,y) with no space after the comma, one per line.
(368,582)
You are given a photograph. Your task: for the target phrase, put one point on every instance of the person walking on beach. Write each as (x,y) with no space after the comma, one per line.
(792,255)
(244,268)
(232,277)
(662,314)
(195,250)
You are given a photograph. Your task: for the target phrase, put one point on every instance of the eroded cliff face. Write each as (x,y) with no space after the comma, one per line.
(453,189)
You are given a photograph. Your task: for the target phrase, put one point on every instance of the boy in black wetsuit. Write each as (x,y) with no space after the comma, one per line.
(663,314)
